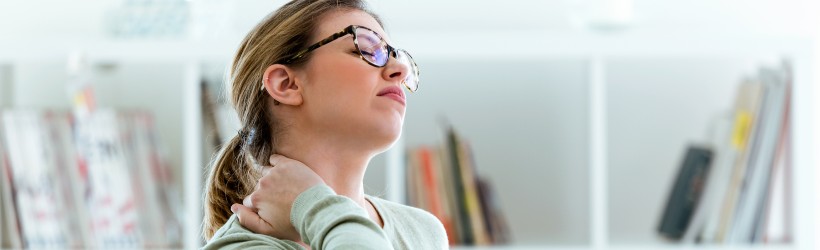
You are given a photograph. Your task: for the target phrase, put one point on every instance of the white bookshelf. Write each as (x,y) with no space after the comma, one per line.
(594,55)
(602,54)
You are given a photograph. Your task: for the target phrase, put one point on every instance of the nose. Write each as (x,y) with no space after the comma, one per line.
(394,70)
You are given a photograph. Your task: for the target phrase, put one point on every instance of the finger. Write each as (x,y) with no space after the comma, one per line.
(251,220)
(275,159)
(266,170)
(247,201)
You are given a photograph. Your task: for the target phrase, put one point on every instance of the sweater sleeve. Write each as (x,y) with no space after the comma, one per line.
(233,236)
(329,221)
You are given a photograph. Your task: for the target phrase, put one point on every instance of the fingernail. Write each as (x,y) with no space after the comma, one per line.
(234,207)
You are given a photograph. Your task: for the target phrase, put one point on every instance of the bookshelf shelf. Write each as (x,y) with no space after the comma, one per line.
(623,247)
(585,63)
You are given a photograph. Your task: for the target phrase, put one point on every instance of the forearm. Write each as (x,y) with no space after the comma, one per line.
(329,221)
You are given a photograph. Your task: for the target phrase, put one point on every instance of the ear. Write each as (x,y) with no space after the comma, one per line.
(280,83)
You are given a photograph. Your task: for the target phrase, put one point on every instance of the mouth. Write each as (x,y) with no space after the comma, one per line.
(393,92)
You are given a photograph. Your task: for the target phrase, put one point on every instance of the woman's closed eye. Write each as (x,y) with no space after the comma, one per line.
(367,53)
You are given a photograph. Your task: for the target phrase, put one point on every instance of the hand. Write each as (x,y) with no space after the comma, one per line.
(267,209)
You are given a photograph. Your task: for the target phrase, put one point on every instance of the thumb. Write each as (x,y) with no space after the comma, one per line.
(251,220)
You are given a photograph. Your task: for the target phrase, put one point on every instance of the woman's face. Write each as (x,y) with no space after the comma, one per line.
(347,98)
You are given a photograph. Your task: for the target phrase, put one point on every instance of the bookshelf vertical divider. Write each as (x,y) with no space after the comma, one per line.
(192,158)
(803,149)
(6,85)
(598,152)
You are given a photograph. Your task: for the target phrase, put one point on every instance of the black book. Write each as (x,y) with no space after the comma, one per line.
(686,192)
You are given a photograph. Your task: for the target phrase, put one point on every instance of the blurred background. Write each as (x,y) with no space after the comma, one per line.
(584,124)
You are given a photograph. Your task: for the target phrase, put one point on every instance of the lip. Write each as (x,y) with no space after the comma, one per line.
(393,92)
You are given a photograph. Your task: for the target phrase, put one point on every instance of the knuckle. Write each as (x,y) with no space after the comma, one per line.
(265,183)
(255,198)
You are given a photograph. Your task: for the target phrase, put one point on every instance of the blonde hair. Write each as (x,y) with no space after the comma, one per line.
(233,171)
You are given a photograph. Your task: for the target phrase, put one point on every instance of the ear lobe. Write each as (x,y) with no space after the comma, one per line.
(280,83)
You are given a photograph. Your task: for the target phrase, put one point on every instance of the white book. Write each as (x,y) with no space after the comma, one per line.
(156,219)
(731,158)
(112,200)
(168,189)
(755,185)
(771,220)
(9,230)
(71,180)
(40,211)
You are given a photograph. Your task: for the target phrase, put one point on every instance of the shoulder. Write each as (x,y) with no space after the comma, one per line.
(410,222)
(233,236)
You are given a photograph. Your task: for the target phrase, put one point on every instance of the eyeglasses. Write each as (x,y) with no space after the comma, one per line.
(373,50)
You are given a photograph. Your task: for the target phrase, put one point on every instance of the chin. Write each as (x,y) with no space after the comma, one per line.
(386,137)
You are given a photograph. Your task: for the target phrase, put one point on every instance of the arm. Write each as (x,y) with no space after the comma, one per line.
(323,219)
(329,221)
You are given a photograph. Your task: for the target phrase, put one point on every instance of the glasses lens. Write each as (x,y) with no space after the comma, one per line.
(371,47)
(412,80)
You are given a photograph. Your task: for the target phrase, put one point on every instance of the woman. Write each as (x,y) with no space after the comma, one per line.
(319,93)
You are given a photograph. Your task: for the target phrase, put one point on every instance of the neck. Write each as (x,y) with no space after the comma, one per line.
(341,167)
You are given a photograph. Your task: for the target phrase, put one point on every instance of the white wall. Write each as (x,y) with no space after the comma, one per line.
(85,18)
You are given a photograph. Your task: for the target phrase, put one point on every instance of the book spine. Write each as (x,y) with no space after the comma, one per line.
(10,226)
(465,229)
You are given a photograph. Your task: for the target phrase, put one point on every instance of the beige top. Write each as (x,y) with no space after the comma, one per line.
(326,220)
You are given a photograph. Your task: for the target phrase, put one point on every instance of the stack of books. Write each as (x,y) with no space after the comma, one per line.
(95,182)
(443,180)
(736,189)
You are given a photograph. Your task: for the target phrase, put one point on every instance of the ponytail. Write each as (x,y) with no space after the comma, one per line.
(227,183)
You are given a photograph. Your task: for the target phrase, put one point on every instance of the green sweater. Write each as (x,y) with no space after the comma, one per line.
(326,220)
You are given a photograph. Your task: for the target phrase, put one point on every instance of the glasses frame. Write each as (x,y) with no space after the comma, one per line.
(391,51)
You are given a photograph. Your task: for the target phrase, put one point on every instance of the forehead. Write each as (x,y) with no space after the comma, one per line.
(337,20)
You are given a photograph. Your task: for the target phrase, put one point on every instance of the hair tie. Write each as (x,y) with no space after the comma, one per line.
(247,135)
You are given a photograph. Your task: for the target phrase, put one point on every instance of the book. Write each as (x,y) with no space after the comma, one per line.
(730,141)
(747,195)
(112,199)
(450,201)
(748,105)
(211,126)
(443,190)
(461,212)
(443,180)
(496,224)
(777,220)
(430,180)
(415,192)
(754,187)
(68,173)
(471,196)
(686,191)
(9,226)
(157,222)
(40,212)
(719,174)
